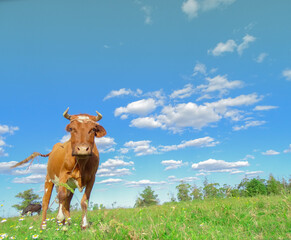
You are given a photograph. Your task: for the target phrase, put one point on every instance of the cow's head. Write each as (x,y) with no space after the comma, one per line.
(83,128)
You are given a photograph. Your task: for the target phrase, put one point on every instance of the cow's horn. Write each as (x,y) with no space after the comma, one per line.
(66,115)
(98,117)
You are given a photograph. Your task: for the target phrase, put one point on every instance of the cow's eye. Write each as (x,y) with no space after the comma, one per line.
(93,130)
(72,130)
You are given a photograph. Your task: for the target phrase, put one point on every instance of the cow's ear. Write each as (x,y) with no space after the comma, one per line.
(68,128)
(100,131)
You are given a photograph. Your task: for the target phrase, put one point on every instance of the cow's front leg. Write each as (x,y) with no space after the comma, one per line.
(84,203)
(63,194)
(67,203)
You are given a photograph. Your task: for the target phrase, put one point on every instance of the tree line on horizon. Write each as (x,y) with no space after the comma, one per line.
(246,188)
(185,192)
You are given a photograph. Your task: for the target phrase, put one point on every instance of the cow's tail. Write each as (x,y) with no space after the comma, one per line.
(30,158)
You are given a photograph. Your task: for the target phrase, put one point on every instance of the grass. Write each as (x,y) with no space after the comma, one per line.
(264,217)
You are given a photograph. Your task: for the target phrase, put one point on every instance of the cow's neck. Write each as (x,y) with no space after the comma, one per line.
(81,162)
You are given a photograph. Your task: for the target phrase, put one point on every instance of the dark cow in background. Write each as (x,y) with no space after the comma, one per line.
(72,165)
(31,208)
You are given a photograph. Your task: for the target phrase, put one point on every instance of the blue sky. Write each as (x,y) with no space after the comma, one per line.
(188,89)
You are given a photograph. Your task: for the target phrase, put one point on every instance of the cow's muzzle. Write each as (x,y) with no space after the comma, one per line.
(82,150)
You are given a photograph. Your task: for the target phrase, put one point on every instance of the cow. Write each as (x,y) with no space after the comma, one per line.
(72,165)
(31,208)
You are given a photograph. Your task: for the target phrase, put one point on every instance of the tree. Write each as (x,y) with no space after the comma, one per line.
(147,198)
(28,197)
(242,187)
(172,198)
(196,193)
(183,191)
(256,187)
(274,187)
(210,190)
(234,192)
(225,191)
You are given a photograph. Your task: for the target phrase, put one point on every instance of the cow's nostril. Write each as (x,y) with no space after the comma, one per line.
(87,149)
(78,148)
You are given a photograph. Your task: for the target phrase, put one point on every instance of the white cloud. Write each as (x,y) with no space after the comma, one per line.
(147,10)
(212,4)
(110,168)
(288,150)
(198,116)
(122,92)
(180,116)
(65,138)
(141,107)
(146,122)
(124,116)
(202,174)
(35,169)
(264,108)
(199,142)
(105,144)
(5,129)
(185,179)
(261,57)
(37,178)
(248,124)
(220,84)
(3,153)
(141,148)
(187,91)
(230,46)
(148,14)
(199,68)
(248,156)
(144,183)
(8,129)
(144,147)
(287,74)
(242,100)
(187,115)
(5,166)
(270,152)
(2,143)
(116,162)
(158,95)
(212,165)
(190,8)
(245,44)
(237,172)
(110,181)
(235,115)
(253,173)
(113,172)
(173,164)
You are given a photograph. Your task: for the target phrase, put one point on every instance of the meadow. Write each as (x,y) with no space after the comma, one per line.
(261,217)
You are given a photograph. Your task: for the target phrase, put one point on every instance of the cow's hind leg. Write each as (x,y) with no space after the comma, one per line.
(48,187)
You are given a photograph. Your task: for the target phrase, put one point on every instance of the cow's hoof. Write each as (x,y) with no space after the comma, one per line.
(84,227)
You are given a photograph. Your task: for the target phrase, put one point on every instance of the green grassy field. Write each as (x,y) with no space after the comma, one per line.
(233,218)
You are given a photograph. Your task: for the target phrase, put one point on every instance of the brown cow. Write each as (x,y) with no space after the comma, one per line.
(72,164)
